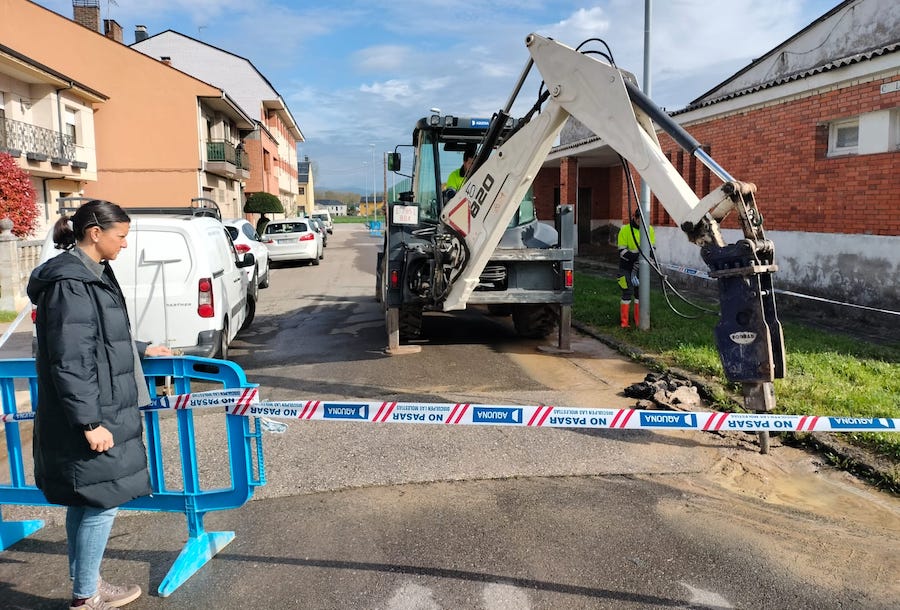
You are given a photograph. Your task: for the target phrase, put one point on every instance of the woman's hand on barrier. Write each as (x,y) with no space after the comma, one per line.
(158,350)
(100,439)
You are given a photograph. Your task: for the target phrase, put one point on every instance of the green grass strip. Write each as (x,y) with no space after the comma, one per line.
(827,373)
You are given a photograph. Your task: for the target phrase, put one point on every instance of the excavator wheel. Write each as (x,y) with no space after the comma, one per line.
(410,322)
(533,321)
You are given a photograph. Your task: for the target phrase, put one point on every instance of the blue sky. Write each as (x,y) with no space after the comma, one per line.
(355,73)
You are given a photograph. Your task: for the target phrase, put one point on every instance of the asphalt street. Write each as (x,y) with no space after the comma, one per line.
(399,517)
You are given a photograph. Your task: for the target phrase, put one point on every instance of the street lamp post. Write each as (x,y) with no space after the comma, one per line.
(645,246)
(366,187)
(374,198)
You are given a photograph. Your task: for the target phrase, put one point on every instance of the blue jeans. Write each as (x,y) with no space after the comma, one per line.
(87,530)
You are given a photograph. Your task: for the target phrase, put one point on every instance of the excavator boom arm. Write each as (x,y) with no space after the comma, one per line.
(606,100)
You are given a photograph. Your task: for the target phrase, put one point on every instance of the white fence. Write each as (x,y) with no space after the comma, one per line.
(17,259)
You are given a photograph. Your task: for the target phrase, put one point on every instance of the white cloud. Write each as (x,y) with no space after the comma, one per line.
(583,23)
(383,58)
(740,29)
(391,90)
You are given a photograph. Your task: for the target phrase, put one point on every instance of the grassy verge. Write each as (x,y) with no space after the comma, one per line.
(7,316)
(827,374)
(354,219)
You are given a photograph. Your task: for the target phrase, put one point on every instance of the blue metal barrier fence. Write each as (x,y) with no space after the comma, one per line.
(245,461)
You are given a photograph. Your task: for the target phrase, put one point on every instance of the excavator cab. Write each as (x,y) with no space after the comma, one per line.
(441,144)
(423,253)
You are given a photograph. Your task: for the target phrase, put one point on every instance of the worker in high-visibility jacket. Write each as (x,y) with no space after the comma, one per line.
(629,243)
(458,176)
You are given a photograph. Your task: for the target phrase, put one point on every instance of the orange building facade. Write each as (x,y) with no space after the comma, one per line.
(156,136)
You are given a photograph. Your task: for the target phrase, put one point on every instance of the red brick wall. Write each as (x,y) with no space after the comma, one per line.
(782,149)
(546,182)
(605,184)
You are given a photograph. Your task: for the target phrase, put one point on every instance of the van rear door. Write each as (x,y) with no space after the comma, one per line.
(155,269)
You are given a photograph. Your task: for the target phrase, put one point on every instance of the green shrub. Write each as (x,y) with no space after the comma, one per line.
(263,203)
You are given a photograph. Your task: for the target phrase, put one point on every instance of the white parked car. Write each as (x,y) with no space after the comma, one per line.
(293,239)
(325,217)
(246,240)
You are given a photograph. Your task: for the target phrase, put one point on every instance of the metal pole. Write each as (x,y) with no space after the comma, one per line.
(374,192)
(518,88)
(644,265)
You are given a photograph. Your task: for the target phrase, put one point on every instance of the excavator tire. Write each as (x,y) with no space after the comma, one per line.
(410,322)
(533,321)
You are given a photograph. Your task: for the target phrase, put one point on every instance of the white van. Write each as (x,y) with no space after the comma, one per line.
(183,283)
(325,217)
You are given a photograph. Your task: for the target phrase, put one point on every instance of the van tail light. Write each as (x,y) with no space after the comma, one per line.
(33,314)
(307,237)
(242,248)
(570,278)
(395,279)
(205,306)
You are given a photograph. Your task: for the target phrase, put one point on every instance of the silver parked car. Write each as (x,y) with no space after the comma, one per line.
(320,227)
(293,239)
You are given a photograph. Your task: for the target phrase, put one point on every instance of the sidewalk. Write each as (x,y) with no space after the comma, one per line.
(18,345)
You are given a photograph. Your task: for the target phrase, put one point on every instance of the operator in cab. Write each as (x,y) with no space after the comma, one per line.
(458,176)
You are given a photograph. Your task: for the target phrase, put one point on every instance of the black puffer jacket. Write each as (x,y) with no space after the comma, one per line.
(86,373)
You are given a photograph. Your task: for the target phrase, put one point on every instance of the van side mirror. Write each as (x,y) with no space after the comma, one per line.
(247,261)
(393,162)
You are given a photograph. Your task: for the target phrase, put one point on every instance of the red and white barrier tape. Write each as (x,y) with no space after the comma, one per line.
(245,402)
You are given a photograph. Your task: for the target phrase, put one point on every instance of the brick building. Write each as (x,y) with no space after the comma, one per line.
(815,123)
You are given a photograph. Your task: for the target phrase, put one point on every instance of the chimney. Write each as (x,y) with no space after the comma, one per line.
(112,29)
(87,13)
(165,59)
(140,33)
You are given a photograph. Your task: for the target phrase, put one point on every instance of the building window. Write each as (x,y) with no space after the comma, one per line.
(895,129)
(70,128)
(843,137)
(302,190)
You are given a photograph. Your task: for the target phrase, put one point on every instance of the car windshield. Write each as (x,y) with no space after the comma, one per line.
(286,227)
(233,232)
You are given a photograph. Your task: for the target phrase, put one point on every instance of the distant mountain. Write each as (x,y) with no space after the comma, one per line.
(341,189)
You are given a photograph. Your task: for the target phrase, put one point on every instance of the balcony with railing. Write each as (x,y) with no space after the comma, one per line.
(38,143)
(226,159)
(243,163)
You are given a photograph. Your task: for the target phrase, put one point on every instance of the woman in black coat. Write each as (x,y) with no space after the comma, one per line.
(89,451)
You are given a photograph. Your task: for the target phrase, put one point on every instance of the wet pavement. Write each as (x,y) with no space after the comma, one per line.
(402,517)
